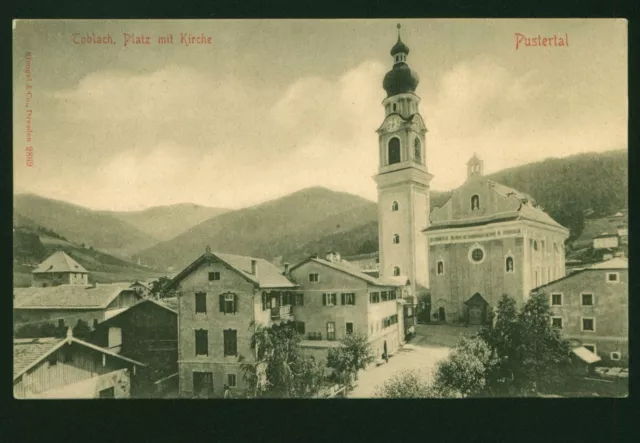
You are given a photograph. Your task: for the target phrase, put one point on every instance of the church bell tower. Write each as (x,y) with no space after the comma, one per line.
(402,179)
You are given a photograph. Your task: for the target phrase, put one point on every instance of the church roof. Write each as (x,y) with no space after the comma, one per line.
(59,262)
(528,209)
(355,272)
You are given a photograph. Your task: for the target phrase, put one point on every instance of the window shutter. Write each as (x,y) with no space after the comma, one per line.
(342,298)
(235,303)
(324,299)
(353,299)
(234,342)
(221,302)
(225,341)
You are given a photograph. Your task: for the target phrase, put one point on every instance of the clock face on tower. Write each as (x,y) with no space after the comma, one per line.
(393,124)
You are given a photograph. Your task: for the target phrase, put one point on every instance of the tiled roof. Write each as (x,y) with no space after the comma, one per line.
(28,351)
(59,262)
(68,296)
(352,270)
(269,275)
(116,312)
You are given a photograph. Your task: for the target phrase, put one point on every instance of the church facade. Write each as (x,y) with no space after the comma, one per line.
(485,241)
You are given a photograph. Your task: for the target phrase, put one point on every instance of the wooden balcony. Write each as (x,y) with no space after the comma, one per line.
(281,312)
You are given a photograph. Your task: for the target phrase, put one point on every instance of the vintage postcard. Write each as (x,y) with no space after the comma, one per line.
(413,208)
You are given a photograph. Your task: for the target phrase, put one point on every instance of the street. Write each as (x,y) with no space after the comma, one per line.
(414,355)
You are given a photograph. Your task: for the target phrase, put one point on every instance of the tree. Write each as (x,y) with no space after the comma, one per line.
(406,384)
(464,372)
(81,330)
(353,355)
(280,368)
(529,352)
(158,285)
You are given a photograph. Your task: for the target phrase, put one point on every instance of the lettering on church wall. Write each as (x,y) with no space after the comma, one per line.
(499,233)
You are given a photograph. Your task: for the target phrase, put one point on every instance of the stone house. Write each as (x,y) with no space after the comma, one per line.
(59,269)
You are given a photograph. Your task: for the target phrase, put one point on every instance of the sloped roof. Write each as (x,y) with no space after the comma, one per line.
(29,352)
(140,283)
(68,296)
(352,270)
(528,210)
(135,306)
(59,262)
(614,263)
(476,299)
(269,275)
(586,355)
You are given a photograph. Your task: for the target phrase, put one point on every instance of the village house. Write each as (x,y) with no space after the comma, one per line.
(145,332)
(65,305)
(606,240)
(336,299)
(59,269)
(591,307)
(141,288)
(219,297)
(70,368)
(488,240)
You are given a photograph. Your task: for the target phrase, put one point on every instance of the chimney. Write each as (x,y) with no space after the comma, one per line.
(254,267)
(286,269)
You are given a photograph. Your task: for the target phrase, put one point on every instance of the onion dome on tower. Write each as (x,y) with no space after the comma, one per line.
(401,78)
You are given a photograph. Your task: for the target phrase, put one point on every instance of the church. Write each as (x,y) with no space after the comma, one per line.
(485,241)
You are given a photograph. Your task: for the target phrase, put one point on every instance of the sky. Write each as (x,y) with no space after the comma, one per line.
(270,107)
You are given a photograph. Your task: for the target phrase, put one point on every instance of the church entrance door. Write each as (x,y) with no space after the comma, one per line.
(475,315)
(441,315)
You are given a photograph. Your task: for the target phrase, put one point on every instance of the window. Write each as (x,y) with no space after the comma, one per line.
(394,150)
(349,328)
(555,248)
(374,297)
(440,268)
(348,298)
(417,151)
(557,322)
(591,348)
(299,299)
(396,239)
(313,278)
(230,337)
(396,271)
(612,277)
(475,203)
(202,342)
(394,107)
(300,328)
(394,206)
(265,301)
(587,299)
(228,303)
(231,380)
(331,330)
(509,264)
(201,302)
(107,393)
(202,384)
(535,245)
(329,299)
(477,255)
(588,324)
(615,356)
(556,299)
(213,276)
(115,337)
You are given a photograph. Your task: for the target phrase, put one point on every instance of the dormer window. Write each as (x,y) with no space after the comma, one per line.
(394,206)
(475,203)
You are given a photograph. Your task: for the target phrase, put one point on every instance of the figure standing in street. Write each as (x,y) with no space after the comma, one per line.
(227,392)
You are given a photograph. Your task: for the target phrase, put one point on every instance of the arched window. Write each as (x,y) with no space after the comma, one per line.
(396,239)
(417,151)
(394,206)
(440,268)
(535,245)
(394,150)
(475,203)
(394,107)
(509,264)
(396,271)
